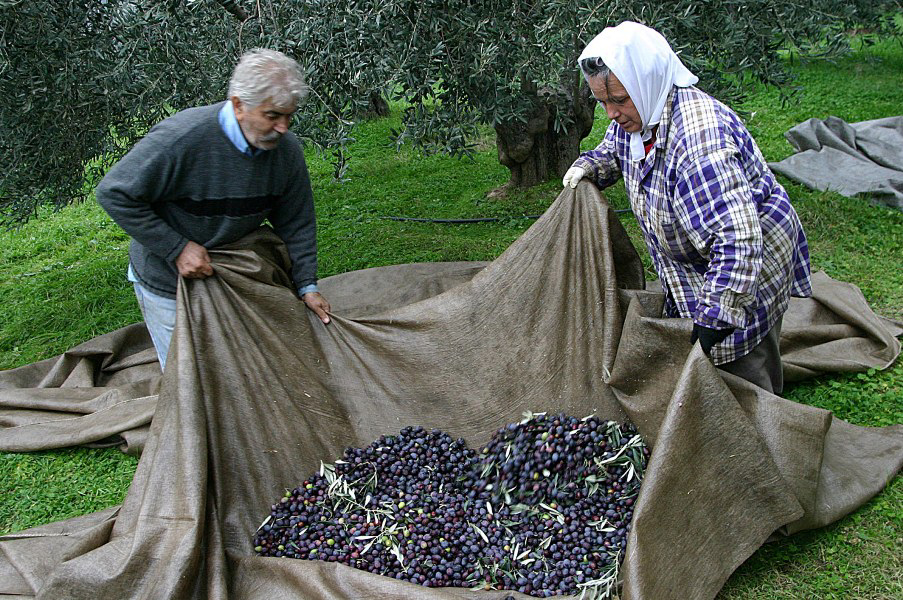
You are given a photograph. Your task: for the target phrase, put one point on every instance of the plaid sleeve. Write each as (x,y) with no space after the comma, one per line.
(601,164)
(714,205)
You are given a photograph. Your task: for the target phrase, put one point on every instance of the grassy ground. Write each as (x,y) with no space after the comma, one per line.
(63,282)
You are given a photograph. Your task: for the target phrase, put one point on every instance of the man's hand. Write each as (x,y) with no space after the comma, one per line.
(194,262)
(572,177)
(317,303)
(709,337)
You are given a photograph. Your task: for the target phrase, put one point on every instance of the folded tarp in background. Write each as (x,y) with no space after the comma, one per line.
(848,158)
(258,392)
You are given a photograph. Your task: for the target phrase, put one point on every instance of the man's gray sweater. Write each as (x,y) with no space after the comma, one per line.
(185,180)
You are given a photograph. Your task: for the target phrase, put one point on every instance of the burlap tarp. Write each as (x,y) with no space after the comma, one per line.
(848,158)
(258,391)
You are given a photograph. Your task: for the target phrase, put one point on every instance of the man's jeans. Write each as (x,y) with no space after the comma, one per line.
(160,318)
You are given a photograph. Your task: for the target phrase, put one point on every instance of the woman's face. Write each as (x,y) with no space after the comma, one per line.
(618,106)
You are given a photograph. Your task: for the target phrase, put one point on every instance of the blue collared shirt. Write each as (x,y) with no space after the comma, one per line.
(232,129)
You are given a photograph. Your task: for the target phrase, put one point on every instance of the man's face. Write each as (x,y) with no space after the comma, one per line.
(612,95)
(263,125)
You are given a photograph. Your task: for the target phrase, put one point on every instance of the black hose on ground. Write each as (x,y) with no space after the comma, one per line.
(475,220)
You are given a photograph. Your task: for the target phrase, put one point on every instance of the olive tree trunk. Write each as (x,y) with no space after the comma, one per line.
(533,151)
(377,106)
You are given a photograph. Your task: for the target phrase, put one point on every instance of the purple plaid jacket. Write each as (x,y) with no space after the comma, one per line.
(726,243)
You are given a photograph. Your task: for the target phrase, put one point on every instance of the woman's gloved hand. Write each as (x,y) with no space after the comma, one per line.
(574,175)
(708,337)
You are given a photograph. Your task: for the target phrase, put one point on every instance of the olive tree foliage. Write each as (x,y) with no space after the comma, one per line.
(82,80)
(511,64)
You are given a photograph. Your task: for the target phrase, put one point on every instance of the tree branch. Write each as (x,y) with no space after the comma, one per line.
(234,8)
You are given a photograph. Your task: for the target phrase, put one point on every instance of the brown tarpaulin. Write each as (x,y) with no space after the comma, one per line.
(259,391)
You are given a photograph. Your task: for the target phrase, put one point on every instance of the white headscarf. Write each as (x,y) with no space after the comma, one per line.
(646,66)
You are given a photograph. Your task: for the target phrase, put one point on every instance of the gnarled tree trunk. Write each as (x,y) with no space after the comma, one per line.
(533,151)
(377,106)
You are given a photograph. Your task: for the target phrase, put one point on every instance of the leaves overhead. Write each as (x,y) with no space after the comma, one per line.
(83,80)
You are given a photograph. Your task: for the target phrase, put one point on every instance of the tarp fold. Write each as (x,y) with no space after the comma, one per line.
(848,158)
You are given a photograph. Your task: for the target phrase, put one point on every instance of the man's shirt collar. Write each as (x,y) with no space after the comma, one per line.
(232,129)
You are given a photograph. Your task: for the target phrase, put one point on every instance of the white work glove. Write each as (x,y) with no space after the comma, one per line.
(573,175)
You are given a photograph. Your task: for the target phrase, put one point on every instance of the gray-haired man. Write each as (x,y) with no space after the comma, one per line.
(210,175)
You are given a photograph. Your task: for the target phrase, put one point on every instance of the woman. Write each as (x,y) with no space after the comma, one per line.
(726,243)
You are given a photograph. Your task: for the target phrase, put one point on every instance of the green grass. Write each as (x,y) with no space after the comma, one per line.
(64,282)
(50,486)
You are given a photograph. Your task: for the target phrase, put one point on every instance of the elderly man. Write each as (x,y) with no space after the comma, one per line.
(210,175)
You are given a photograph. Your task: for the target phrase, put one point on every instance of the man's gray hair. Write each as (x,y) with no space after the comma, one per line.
(263,75)
(593,66)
